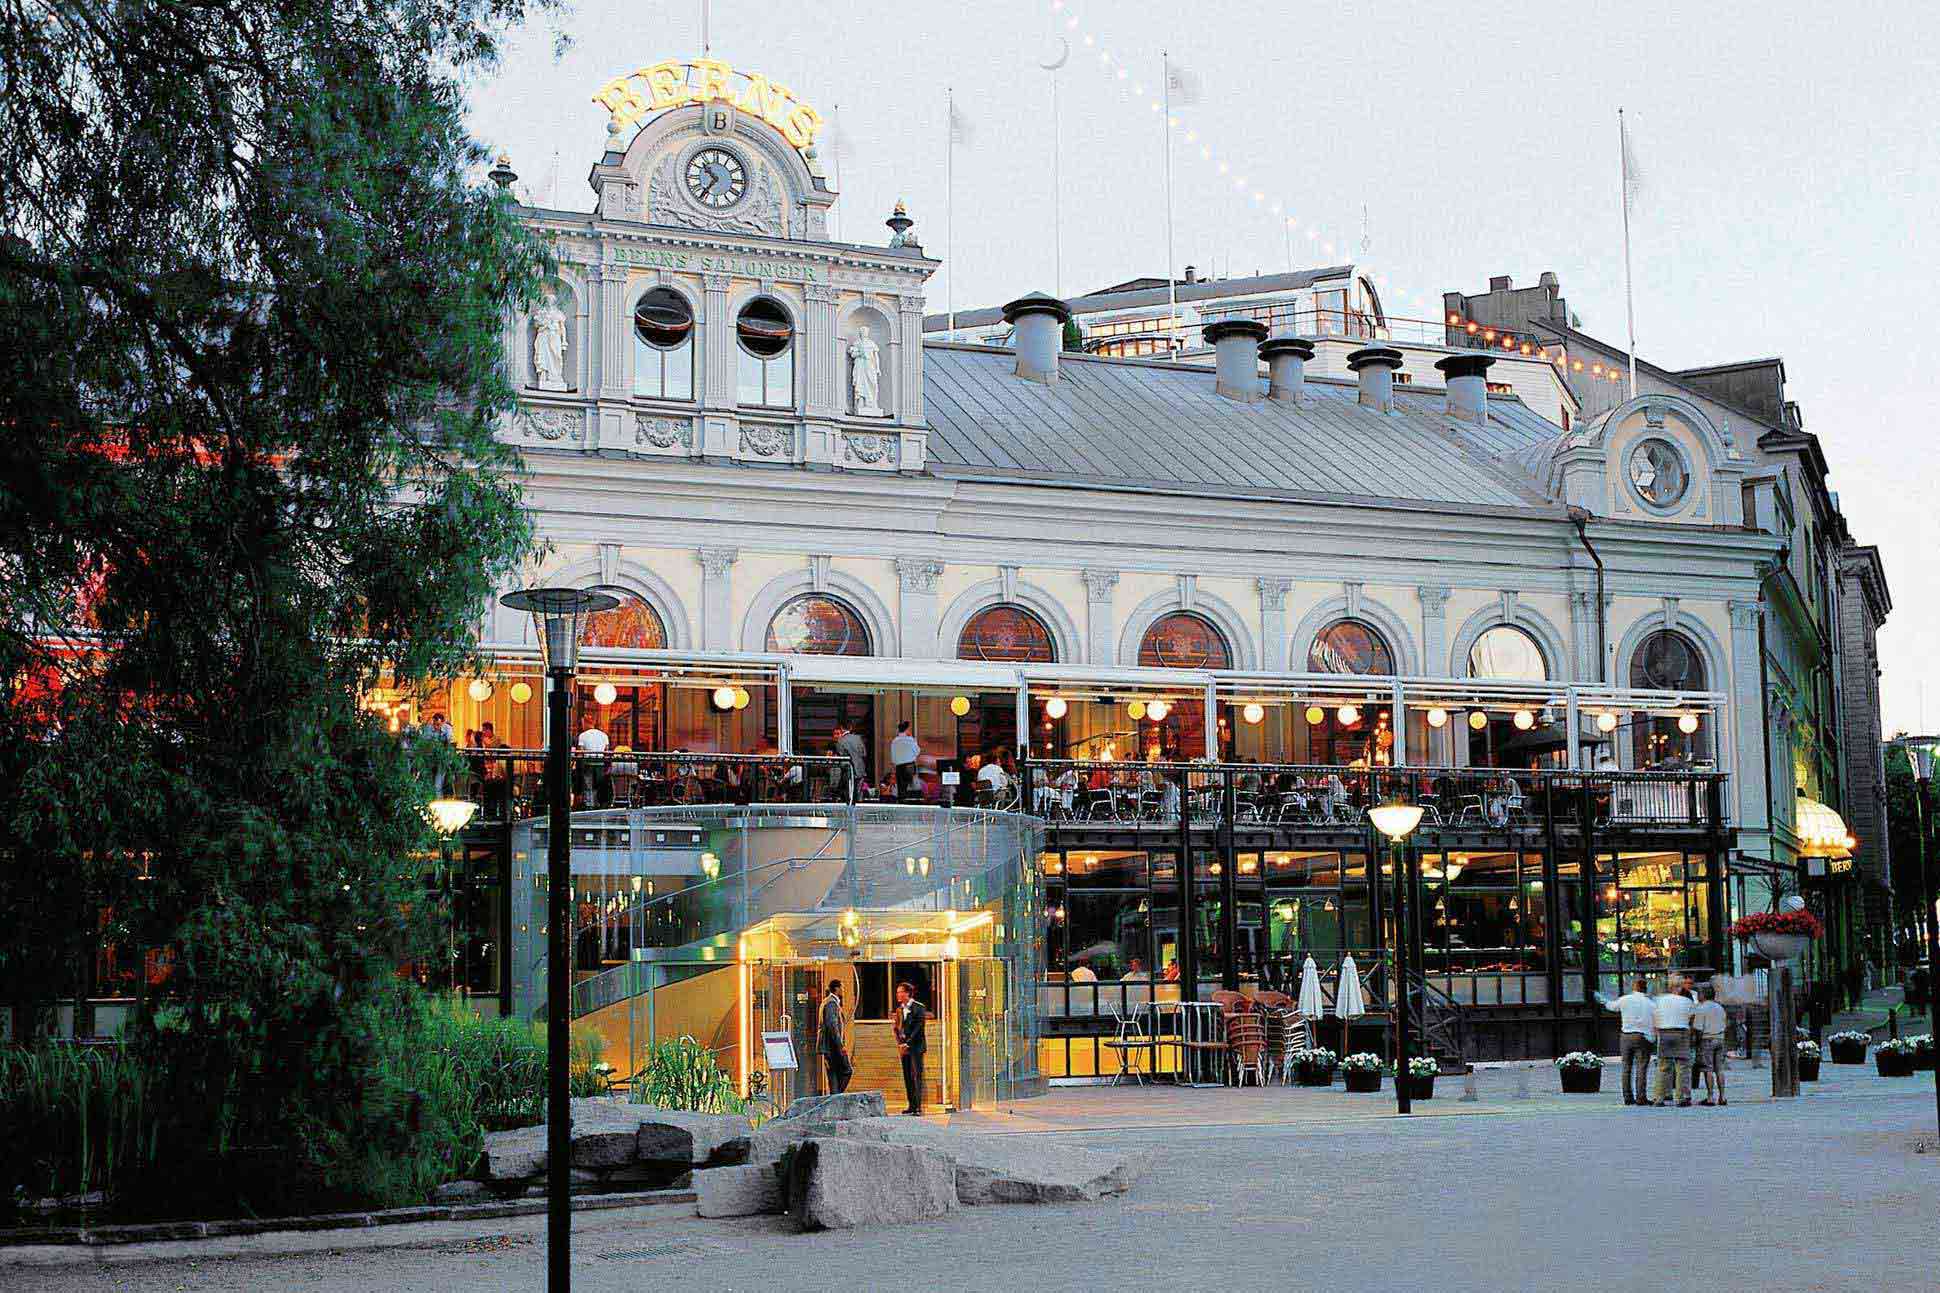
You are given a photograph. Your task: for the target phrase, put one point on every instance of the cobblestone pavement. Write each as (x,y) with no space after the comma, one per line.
(1273,1189)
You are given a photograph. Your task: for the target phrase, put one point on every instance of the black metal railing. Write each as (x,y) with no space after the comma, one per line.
(508,784)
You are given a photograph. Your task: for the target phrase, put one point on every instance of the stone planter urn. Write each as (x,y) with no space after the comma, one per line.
(1780,947)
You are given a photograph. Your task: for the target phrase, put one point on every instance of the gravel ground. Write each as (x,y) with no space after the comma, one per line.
(1819,1193)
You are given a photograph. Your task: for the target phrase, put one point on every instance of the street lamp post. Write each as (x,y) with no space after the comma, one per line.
(558,615)
(1921,754)
(450,816)
(1397,821)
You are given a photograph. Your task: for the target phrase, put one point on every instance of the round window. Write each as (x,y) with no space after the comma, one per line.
(663,318)
(1658,473)
(764,329)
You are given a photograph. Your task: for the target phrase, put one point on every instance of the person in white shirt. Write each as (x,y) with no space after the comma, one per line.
(992,774)
(1708,1022)
(1082,973)
(1672,1013)
(596,777)
(903,753)
(1638,1041)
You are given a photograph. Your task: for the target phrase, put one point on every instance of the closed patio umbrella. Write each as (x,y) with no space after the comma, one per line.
(1310,1002)
(1348,1001)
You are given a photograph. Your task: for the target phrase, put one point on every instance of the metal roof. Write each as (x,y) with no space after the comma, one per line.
(1142,423)
(1123,297)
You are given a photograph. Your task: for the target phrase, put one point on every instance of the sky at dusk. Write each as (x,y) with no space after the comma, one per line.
(1789,153)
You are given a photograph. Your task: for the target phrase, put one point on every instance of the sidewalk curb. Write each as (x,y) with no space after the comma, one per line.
(90,1237)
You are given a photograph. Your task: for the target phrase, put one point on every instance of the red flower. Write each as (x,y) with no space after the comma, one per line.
(1778,922)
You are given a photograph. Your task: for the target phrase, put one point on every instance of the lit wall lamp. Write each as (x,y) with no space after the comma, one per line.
(1438,717)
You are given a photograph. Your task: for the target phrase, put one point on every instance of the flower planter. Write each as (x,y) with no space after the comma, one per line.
(1314,1075)
(1893,1064)
(1780,947)
(1848,1052)
(1419,1088)
(1923,1061)
(1808,1069)
(1581,1081)
(1363,1082)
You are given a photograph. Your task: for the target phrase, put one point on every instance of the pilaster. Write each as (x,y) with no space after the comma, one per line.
(916,580)
(1100,586)
(1747,746)
(1273,620)
(717,598)
(1434,629)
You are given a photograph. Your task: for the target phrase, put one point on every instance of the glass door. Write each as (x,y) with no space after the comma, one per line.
(983,1034)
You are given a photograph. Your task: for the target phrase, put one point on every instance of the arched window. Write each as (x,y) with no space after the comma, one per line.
(663,346)
(767,354)
(1183,640)
(1008,635)
(1508,653)
(817,624)
(1667,661)
(633,623)
(1349,646)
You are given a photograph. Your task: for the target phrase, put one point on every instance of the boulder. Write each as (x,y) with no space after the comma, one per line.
(840,1183)
(677,1136)
(744,1191)
(1028,1169)
(461,1192)
(834,1108)
(515,1155)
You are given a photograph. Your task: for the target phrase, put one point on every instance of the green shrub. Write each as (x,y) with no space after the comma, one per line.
(502,1062)
(72,1120)
(682,1074)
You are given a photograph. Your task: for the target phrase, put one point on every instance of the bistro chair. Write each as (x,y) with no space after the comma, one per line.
(1246,1047)
(1129,1041)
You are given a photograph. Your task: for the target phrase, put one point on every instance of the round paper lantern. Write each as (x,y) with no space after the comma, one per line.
(1438,717)
(1524,720)
(606,693)
(480,690)
(1606,721)
(1157,710)
(1348,715)
(521,692)
(1315,716)
(741,698)
(724,698)
(1477,720)
(959,705)
(1055,707)
(1688,724)
(1136,709)
(1253,713)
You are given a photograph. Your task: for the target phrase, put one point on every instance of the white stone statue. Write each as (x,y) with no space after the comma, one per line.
(865,374)
(549,347)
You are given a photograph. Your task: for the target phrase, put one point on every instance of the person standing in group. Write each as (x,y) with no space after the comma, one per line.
(1672,1013)
(1708,1025)
(1639,1040)
(851,746)
(439,730)
(596,778)
(910,1044)
(903,753)
(834,1039)
(498,788)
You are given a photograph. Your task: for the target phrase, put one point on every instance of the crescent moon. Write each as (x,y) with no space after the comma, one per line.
(1064,56)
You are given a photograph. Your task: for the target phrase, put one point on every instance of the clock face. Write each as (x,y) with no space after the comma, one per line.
(716,178)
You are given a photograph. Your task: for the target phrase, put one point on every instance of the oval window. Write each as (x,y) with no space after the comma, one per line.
(764,329)
(663,319)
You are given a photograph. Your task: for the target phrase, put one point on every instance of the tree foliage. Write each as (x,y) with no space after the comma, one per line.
(253,288)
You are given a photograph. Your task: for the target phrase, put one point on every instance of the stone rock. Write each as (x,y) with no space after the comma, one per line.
(1018,1169)
(744,1191)
(840,1183)
(833,1108)
(515,1155)
(461,1192)
(604,1147)
(677,1136)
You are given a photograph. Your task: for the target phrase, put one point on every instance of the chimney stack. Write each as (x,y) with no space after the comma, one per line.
(1236,357)
(1468,386)
(1286,367)
(1192,274)
(1038,321)
(1375,366)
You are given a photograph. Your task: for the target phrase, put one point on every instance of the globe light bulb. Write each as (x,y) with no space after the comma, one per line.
(606,693)
(1348,715)
(1136,709)
(1688,724)
(1157,710)
(1315,716)
(724,698)
(1524,720)
(741,698)
(1253,713)
(521,692)
(1055,707)
(480,690)
(1477,720)
(959,705)
(1438,717)
(1606,721)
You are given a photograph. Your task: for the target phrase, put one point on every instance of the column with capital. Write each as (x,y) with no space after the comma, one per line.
(1100,585)
(1583,636)
(610,291)
(1741,735)
(720,348)
(1434,629)
(717,598)
(1273,620)
(916,580)
(827,378)
(909,364)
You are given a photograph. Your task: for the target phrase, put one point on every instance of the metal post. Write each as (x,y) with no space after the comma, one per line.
(1923,819)
(559,981)
(1403,907)
(1188,908)
(1228,883)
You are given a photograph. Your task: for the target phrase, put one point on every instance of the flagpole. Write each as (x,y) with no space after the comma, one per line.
(1057,195)
(950,201)
(1629,301)
(1171,278)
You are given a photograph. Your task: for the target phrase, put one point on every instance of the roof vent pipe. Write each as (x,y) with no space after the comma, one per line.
(1375,366)
(1037,322)
(1468,386)
(1286,367)
(1236,357)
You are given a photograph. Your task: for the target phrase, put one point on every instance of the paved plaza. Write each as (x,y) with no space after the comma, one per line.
(1269,1189)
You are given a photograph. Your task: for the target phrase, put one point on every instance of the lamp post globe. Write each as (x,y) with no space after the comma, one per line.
(1397,821)
(558,620)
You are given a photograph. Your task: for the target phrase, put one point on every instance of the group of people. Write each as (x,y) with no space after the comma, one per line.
(909,1024)
(1680,1028)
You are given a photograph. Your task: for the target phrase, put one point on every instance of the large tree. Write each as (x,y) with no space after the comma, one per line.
(252,283)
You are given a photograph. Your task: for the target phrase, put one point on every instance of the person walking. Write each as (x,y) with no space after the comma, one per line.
(1638,1041)
(1708,1025)
(910,1044)
(834,1039)
(1672,1013)
(904,750)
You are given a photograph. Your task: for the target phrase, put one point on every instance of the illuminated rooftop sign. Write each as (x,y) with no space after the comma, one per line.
(632,97)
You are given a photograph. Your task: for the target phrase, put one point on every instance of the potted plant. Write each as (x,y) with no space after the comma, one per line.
(1581,1071)
(1363,1071)
(1421,1075)
(1849,1047)
(1922,1052)
(1894,1058)
(1778,935)
(1808,1061)
(1314,1066)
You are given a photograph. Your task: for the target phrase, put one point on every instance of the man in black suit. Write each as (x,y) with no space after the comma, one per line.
(910,1044)
(835,1055)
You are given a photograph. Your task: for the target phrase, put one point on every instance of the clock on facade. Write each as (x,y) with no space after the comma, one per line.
(716,178)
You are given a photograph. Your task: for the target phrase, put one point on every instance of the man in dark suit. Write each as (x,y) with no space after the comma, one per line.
(910,1044)
(835,1056)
